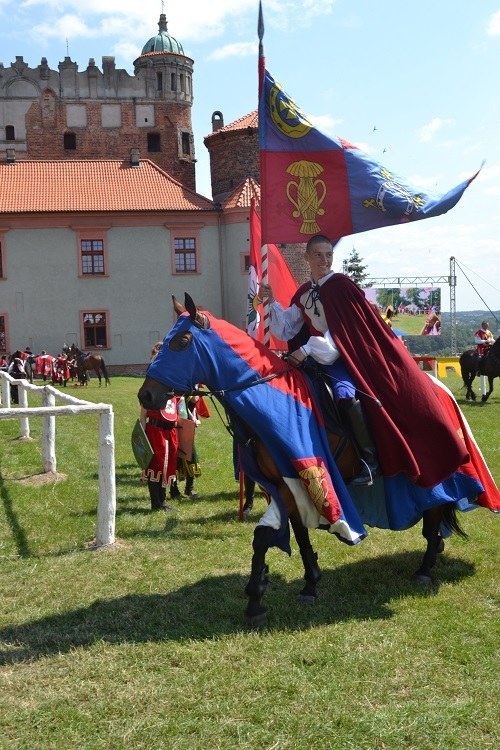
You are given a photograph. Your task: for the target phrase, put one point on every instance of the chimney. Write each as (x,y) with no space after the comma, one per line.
(134,157)
(217,121)
(11,155)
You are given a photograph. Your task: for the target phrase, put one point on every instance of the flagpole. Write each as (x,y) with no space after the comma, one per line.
(264,252)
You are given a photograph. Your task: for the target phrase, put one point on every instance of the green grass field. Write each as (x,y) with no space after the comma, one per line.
(142,645)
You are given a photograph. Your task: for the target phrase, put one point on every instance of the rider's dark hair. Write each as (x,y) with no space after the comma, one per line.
(316,239)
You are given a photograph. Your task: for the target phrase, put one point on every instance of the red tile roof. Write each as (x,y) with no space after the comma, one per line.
(95,186)
(242,195)
(247,121)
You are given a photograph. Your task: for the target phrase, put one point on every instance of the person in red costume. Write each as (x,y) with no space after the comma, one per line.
(483,338)
(160,428)
(410,427)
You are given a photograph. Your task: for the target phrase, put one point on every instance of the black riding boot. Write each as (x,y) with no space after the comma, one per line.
(175,492)
(157,493)
(189,490)
(355,422)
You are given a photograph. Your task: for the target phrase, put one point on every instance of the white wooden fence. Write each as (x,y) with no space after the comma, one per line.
(106,505)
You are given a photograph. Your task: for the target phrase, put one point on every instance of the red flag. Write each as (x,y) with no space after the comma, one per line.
(279,276)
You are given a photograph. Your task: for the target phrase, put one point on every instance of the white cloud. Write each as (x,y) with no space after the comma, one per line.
(237,49)
(326,123)
(491,173)
(494,190)
(430,182)
(192,20)
(493,28)
(66,27)
(427,132)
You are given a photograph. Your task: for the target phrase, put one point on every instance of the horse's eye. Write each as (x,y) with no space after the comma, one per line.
(180,341)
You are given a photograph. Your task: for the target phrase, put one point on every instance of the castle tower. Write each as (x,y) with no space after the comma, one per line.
(94,114)
(234,153)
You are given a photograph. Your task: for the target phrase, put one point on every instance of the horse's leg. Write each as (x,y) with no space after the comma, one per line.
(98,373)
(431,521)
(255,613)
(312,573)
(470,395)
(490,389)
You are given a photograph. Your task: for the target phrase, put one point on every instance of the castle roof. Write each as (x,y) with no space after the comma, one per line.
(243,123)
(162,41)
(95,186)
(243,194)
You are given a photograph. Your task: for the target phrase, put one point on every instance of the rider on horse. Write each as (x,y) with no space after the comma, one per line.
(483,338)
(318,344)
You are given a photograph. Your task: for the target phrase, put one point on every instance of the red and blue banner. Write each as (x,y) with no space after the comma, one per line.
(316,184)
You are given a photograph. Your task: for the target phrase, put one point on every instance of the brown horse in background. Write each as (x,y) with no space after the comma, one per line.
(88,363)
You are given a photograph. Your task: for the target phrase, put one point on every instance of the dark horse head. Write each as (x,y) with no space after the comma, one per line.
(175,369)
(203,349)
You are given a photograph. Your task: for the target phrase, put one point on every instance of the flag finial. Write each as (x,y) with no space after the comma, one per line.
(260,29)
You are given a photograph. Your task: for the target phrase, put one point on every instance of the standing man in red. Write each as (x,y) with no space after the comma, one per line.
(160,428)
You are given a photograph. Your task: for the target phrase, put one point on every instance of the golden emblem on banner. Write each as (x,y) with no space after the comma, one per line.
(314,478)
(286,115)
(306,195)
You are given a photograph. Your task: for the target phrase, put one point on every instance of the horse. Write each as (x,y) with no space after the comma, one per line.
(88,363)
(472,364)
(202,349)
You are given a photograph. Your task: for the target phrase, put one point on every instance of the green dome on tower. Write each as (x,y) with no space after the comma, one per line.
(162,42)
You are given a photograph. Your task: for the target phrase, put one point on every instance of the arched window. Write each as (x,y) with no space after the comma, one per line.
(69,141)
(10,134)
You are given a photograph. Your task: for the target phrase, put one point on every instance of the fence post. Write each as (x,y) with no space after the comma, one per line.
(106,503)
(24,423)
(5,393)
(49,434)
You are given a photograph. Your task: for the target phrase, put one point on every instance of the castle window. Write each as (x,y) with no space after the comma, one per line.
(185,255)
(69,141)
(154,142)
(95,329)
(183,87)
(173,82)
(159,81)
(186,144)
(92,257)
(10,134)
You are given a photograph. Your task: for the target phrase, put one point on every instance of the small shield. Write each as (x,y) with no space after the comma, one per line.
(141,446)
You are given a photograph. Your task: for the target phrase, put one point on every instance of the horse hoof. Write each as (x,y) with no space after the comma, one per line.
(307,598)
(257,620)
(422,578)
(246,510)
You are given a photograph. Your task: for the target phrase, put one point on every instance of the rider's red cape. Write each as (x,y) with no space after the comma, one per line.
(412,430)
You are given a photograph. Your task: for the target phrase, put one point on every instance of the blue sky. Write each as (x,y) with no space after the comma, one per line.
(413,84)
